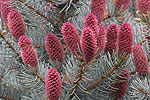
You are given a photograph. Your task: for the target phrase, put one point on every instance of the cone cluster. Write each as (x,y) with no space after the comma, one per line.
(28,53)
(92,37)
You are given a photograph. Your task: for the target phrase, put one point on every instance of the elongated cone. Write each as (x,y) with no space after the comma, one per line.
(143,6)
(112,37)
(124,3)
(88,44)
(54,48)
(5,9)
(121,85)
(140,61)
(101,39)
(98,9)
(53,84)
(91,22)
(28,53)
(125,40)
(71,37)
(16,24)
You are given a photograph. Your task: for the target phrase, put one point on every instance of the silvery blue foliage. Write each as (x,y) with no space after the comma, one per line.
(19,82)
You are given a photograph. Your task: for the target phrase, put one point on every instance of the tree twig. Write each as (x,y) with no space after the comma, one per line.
(5,97)
(9,44)
(134,8)
(79,77)
(103,77)
(143,91)
(38,12)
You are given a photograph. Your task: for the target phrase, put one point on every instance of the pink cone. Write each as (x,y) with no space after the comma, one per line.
(54,48)
(16,24)
(24,41)
(112,37)
(140,61)
(121,85)
(91,22)
(28,53)
(71,37)
(98,9)
(101,39)
(124,3)
(125,40)
(5,10)
(143,6)
(53,85)
(88,44)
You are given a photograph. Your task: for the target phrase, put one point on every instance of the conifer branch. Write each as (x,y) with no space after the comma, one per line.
(39,46)
(1,78)
(79,77)
(5,97)
(37,75)
(42,80)
(133,72)
(103,77)
(13,68)
(134,8)
(9,44)
(143,91)
(38,12)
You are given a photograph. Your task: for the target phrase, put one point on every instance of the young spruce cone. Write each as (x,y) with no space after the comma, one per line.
(140,61)
(98,9)
(53,85)
(121,85)
(28,53)
(5,10)
(101,39)
(54,48)
(91,22)
(125,39)
(71,37)
(16,24)
(143,6)
(112,37)
(124,3)
(88,44)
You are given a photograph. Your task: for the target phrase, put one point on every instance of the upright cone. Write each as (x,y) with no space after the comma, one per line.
(140,61)
(71,37)
(112,38)
(5,10)
(16,24)
(143,6)
(53,84)
(98,8)
(28,53)
(101,39)
(88,44)
(124,3)
(125,40)
(54,48)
